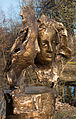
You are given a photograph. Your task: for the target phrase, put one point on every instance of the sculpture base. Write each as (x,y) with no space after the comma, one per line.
(34,103)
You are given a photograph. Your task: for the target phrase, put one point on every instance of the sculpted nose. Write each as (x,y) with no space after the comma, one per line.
(21,14)
(50,48)
(37,48)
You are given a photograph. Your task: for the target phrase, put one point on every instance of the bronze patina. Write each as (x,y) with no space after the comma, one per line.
(54,52)
(36,61)
(39,53)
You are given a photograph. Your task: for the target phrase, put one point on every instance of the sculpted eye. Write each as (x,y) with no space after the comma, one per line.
(44,45)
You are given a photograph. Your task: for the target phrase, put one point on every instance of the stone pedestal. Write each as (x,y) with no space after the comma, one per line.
(34,103)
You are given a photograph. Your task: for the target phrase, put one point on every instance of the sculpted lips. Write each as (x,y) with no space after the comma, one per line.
(49,55)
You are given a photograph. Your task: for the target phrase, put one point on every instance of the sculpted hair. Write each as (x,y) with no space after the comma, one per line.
(61,35)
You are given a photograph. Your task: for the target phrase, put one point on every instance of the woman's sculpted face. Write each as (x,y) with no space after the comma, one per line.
(47,44)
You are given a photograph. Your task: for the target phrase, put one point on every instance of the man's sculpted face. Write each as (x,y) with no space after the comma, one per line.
(47,43)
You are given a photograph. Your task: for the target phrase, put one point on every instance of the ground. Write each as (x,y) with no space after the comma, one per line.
(64,111)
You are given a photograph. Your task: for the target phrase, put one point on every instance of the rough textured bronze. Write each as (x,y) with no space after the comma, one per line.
(36,102)
(25,47)
(37,58)
(40,52)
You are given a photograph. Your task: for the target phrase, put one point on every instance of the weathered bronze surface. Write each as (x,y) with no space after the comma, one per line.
(39,53)
(23,51)
(35,102)
(37,58)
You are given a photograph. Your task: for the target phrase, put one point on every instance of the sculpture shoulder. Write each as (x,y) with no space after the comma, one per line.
(28,77)
(30,71)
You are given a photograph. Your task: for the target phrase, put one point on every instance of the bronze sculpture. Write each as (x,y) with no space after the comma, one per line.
(54,52)
(39,53)
(37,58)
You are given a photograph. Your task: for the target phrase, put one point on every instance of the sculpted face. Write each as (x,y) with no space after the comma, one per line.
(23,16)
(47,43)
(27,14)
